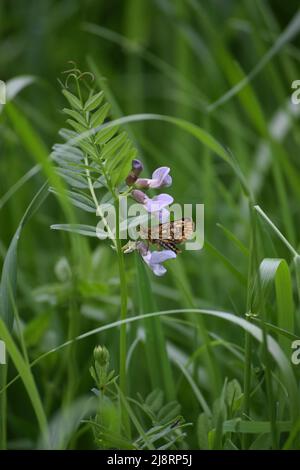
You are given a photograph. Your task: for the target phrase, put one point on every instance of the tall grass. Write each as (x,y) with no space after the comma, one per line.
(205,350)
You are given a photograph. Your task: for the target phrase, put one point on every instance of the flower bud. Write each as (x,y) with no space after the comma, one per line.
(136,169)
(101,355)
(139,196)
(142,183)
(131,179)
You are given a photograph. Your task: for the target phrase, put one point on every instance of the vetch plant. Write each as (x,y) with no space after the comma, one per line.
(98,162)
(95,161)
(219,332)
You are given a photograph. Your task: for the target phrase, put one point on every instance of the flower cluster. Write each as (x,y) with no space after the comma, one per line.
(156,205)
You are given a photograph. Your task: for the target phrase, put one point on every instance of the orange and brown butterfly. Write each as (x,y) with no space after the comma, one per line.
(169,234)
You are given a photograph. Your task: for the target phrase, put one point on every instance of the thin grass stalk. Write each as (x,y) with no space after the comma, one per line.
(160,370)
(296,261)
(268,375)
(247,377)
(3,406)
(248,339)
(71,363)
(123,316)
(266,356)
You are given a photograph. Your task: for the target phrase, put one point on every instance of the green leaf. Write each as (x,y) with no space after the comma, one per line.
(168,412)
(77,126)
(234,395)
(113,145)
(229,445)
(26,375)
(99,116)
(66,421)
(120,157)
(64,154)
(275,272)
(98,119)
(262,442)
(80,200)
(203,428)
(254,427)
(76,116)
(94,101)
(106,134)
(72,177)
(121,171)
(89,149)
(73,100)
(87,230)
(154,400)
(9,272)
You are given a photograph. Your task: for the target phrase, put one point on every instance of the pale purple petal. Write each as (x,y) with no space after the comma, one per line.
(143,183)
(158,257)
(158,269)
(147,258)
(154,260)
(164,216)
(158,202)
(143,249)
(160,177)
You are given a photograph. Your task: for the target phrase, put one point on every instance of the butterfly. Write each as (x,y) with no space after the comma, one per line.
(169,234)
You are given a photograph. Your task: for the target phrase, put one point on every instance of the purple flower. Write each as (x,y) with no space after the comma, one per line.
(157,203)
(155,258)
(160,178)
(136,169)
(163,216)
(142,248)
(139,196)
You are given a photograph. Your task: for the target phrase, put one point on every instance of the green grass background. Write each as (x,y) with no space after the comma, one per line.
(226,67)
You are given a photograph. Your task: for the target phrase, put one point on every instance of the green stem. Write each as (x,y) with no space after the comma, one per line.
(269,387)
(123,293)
(253,269)
(266,356)
(3,381)
(122,273)
(248,339)
(297,269)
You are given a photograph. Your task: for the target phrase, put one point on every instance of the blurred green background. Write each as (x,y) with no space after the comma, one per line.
(175,58)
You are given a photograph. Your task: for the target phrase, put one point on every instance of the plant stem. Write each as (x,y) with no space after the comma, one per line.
(98,207)
(123,293)
(265,352)
(278,233)
(248,339)
(115,239)
(3,381)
